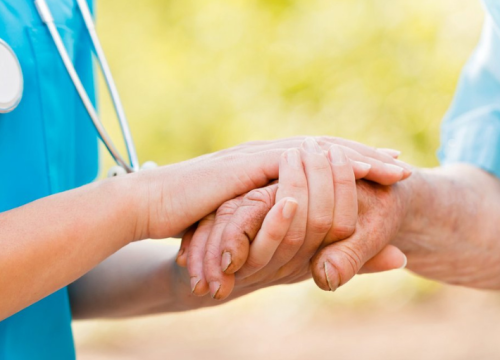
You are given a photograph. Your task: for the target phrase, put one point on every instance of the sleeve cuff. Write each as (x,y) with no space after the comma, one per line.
(473,139)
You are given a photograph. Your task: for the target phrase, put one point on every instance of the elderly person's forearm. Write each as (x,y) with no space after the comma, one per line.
(450,232)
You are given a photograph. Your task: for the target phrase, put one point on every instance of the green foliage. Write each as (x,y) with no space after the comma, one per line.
(200,75)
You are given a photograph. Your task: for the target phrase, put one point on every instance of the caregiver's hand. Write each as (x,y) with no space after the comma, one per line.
(182,194)
(152,204)
(238,222)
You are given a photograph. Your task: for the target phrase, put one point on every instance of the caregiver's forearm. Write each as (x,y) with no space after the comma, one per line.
(49,243)
(140,279)
(53,241)
(451,231)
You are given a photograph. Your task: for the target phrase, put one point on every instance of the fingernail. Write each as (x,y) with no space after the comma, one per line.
(293,157)
(404,264)
(181,251)
(311,146)
(407,169)
(402,164)
(327,266)
(194,282)
(362,165)
(226,260)
(394,168)
(391,152)
(289,208)
(214,288)
(337,156)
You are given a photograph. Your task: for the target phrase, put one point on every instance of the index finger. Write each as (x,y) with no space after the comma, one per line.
(241,229)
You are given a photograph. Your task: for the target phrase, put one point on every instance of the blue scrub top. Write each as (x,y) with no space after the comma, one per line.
(471,129)
(47,145)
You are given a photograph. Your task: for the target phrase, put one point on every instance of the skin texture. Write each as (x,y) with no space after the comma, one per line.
(381,209)
(54,241)
(155,283)
(444,219)
(324,187)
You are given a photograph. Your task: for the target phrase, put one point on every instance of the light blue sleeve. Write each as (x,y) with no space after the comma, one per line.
(471,129)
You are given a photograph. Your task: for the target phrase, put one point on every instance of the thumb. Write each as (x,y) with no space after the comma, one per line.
(390,258)
(337,263)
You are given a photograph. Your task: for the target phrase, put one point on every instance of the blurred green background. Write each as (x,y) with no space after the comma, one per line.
(200,75)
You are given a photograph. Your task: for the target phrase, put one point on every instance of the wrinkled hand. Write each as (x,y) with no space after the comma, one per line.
(319,189)
(445,220)
(381,213)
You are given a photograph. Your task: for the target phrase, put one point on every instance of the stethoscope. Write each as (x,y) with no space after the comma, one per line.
(11,87)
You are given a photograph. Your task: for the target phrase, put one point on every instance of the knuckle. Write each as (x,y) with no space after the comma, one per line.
(227,209)
(196,250)
(283,157)
(320,224)
(318,163)
(294,238)
(295,184)
(211,254)
(254,264)
(344,181)
(343,230)
(273,233)
(263,196)
(206,221)
(353,263)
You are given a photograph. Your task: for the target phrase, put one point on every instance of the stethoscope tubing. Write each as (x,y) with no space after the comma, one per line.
(47,18)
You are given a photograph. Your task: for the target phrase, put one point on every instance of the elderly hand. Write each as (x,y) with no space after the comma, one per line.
(312,185)
(445,220)
(380,215)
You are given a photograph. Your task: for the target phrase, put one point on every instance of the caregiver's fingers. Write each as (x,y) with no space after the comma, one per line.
(184,249)
(391,152)
(345,212)
(269,237)
(360,169)
(385,155)
(320,188)
(380,172)
(196,254)
(340,198)
(390,258)
(293,183)
(241,229)
(382,154)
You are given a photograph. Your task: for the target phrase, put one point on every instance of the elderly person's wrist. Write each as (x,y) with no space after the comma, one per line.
(450,231)
(412,194)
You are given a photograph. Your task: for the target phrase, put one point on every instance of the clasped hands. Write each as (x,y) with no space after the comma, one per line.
(311,221)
